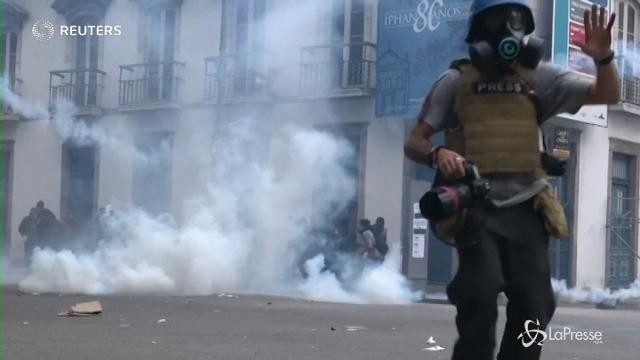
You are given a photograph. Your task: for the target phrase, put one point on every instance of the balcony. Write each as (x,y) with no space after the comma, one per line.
(15,86)
(245,77)
(150,85)
(338,70)
(630,90)
(81,87)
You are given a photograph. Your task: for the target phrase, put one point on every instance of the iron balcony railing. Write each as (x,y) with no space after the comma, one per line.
(628,68)
(337,68)
(630,90)
(83,87)
(14,85)
(149,83)
(244,75)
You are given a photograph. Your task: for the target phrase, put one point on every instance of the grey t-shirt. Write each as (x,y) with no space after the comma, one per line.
(557,90)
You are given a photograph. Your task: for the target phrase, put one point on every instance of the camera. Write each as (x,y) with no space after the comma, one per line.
(442,201)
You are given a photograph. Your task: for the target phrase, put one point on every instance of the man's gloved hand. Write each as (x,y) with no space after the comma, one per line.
(552,165)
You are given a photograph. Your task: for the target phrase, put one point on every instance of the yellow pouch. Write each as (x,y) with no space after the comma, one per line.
(555,221)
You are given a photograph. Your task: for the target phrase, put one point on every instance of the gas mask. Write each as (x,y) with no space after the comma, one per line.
(503,42)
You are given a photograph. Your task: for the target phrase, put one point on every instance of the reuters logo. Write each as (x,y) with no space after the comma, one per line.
(43,30)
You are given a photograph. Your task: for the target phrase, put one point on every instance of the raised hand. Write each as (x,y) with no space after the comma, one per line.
(597,42)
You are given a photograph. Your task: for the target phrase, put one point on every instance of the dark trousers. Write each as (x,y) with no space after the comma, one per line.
(506,251)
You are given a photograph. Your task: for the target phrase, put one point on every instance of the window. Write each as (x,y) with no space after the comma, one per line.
(13,17)
(160,51)
(244,43)
(348,48)
(80,82)
(628,12)
(9,56)
(86,66)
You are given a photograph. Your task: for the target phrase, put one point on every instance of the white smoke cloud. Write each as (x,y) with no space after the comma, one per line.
(244,232)
(237,240)
(381,284)
(597,295)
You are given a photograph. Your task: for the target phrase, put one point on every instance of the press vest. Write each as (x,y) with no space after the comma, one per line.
(498,128)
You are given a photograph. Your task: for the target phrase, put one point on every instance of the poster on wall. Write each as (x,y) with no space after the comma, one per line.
(417,41)
(568,30)
(419,233)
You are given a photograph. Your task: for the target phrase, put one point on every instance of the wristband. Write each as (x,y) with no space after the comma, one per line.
(607,60)
(434,155)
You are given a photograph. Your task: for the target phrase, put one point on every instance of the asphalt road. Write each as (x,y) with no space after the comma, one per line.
(259,327)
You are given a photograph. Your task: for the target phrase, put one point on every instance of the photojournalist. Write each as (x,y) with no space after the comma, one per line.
(491,107)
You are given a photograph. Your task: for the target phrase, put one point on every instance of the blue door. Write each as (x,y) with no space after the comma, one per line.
(622,223)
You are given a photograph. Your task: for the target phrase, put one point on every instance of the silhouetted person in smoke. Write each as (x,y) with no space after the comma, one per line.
(48,230)
(367,241)
(27,229)
(380,233)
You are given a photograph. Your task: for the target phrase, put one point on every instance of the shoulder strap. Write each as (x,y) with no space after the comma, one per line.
(458,64)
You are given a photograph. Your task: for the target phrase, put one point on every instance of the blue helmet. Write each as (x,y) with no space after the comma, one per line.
(479,6)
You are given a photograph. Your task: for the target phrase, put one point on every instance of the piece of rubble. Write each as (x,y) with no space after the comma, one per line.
(434,348)
(354,328)
(229,296)
(90,308)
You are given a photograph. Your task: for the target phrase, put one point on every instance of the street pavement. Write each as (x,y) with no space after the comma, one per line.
(270,328)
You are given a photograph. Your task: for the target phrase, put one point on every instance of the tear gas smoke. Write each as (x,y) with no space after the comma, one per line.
(243,234)
(594,295)
(76,132)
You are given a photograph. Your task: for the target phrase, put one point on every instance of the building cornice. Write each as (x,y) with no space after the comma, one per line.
(13,15)
(74,10)
(148,4)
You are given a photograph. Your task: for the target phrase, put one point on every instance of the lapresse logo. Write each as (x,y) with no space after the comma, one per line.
(532,334)
(44,30)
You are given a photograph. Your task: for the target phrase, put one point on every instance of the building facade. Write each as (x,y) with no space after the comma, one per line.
(160,78)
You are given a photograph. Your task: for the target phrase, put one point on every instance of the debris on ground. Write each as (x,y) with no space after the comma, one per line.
(432,341)
(434,348)
(83,309)
(230,296)
(354,328)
